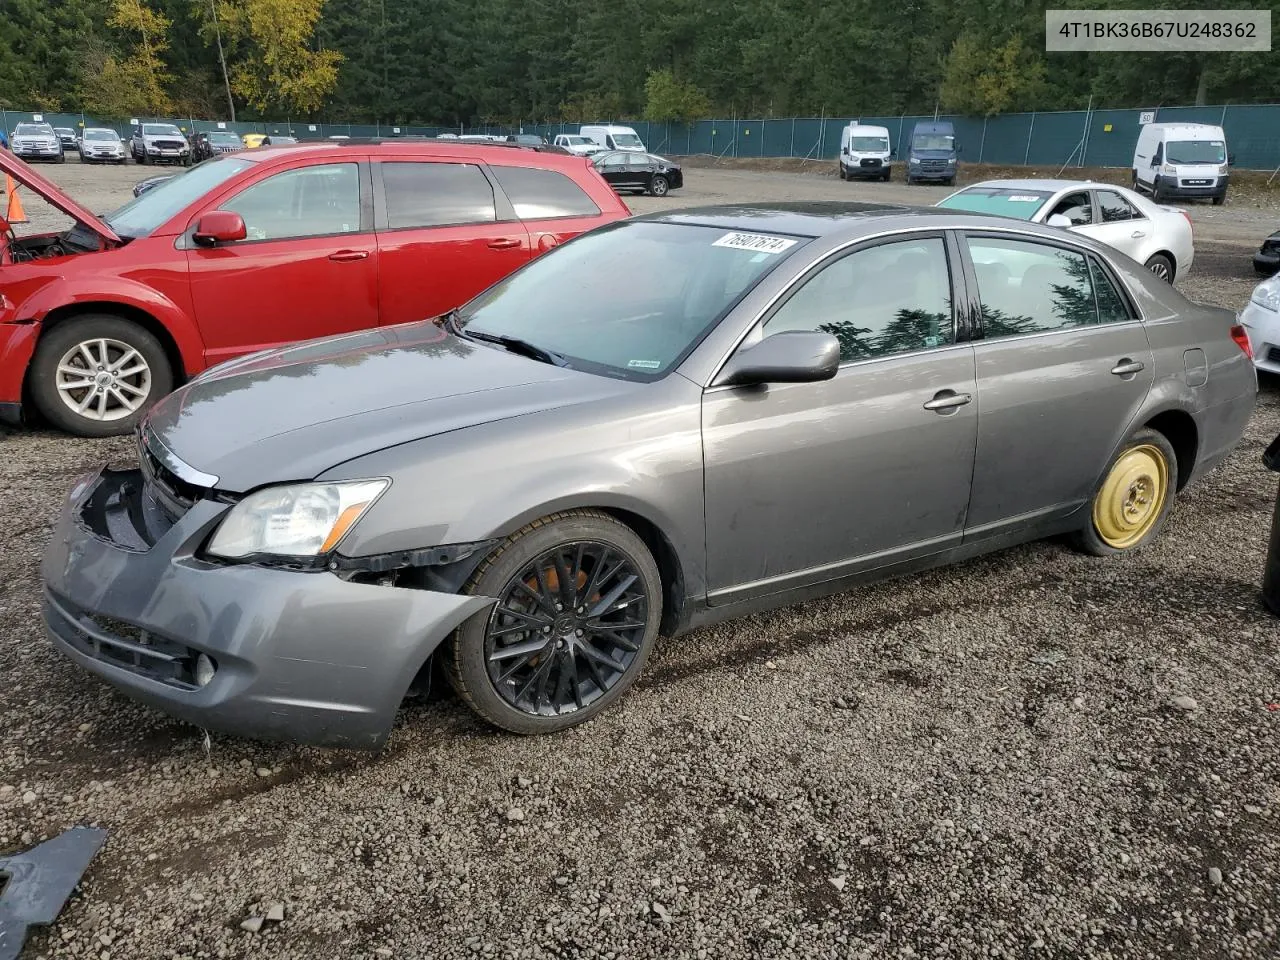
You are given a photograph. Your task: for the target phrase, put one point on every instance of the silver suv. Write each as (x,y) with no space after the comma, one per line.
(160,143)
(37,141)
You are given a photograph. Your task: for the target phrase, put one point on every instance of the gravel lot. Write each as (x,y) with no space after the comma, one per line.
(980,761)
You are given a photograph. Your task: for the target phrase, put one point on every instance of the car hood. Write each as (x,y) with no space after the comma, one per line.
(290,414)
(29,178)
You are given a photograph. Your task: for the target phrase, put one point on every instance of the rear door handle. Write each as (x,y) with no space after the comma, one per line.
(945,401)
(1127,367)
(507,243)
(1137,234)
(346,256)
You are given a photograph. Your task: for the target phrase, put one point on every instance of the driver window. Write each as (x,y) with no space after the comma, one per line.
(887,299)
(309,202)
(1076,207)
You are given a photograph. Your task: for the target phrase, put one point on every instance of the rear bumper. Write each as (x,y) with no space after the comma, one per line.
(305,657)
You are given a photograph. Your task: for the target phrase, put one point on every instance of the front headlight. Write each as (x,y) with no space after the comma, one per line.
(915,161)
(1267,296)
(298,520)
(1222,168)
(1170,168)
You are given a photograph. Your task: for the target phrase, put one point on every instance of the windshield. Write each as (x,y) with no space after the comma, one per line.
(644,294)
(1007,202)
(1195,151)
(108,135)
(576,141)
(33,130)
(869,144)
(932,141)
(160,130)
(224,138)
(64,130)
(141,216)
(627,140)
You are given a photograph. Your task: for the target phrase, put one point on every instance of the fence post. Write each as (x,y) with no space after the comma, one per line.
(1026,157)
(1084,139)
(983,145)
(792,152)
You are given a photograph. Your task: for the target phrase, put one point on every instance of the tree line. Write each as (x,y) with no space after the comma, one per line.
(465,61)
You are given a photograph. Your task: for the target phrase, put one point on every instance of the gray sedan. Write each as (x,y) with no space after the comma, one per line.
(667,422)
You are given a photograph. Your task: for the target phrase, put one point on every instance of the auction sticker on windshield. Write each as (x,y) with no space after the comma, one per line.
(756,242)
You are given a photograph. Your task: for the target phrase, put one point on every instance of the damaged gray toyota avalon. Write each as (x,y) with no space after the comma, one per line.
(668,421)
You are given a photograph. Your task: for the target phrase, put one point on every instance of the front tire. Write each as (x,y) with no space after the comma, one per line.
(1132,500)
(579,602)
(1161,266)
(658,186)
(96,375)
(1219,199)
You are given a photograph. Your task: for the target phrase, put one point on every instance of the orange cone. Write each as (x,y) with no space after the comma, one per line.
(15,213)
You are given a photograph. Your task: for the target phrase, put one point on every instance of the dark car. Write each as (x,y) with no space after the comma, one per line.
(214,142)
(639,172)
(142,186)
(67,137)
(1267,260)
(734,408)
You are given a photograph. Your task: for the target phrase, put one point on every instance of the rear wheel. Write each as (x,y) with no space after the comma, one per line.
(96,375)
(1133,498)
(579,600)
(1161,266)
(658,186)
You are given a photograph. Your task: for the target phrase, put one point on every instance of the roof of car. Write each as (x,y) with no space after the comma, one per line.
(1031,184)
(807,219)
(486,150)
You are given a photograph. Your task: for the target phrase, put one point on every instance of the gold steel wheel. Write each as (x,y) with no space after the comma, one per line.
(1132,497)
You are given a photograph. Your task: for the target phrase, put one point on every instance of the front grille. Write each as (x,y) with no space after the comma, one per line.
(933,164)
(873,162)
(168,144)
(1197,183)
(122,644)
(125,510)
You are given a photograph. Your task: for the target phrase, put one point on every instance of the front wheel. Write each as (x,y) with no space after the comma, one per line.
(1161,266)
(579,601)
(659,186)
(1132,500)
(96,375)
(62,158)
(885,176)
(1219,199)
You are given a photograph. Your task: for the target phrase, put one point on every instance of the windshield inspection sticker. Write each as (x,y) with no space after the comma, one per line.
(757,242)
(1019,198)
(645,364)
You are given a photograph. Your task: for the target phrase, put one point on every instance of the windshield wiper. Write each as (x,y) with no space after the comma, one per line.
(514,344)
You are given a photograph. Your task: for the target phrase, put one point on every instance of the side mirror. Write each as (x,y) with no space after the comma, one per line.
(796,356)
(1058,220)
(219,226)
(1231,159)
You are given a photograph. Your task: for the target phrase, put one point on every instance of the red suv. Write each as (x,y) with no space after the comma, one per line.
(267,247)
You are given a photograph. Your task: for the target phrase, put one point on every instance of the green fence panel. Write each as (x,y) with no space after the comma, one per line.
(1057,139)
(1005,140)
(1253,136)
(1111,147)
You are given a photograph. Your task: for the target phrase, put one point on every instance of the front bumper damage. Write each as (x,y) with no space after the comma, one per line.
(302,656)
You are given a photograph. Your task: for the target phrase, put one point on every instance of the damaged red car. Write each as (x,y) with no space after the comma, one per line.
(260,249)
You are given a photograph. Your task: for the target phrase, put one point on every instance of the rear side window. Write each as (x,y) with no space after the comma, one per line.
(543,194)
(1111,306)
(436,195)
(1115,208)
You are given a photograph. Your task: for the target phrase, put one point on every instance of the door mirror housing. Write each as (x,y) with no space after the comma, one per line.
(796,356)
(1058,220)
(219,226)
(1231,159)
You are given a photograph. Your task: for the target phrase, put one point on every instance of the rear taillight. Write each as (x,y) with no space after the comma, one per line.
(1241,337)
(1187,217)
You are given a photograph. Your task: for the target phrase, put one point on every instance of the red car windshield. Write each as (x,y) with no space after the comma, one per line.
(142,215)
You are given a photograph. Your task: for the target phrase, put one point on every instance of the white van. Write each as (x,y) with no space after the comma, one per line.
(1181,160)
(614,138)
(865,152)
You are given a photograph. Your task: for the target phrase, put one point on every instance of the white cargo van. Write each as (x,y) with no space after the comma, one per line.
(614,138)
(1181,160)
(865,152)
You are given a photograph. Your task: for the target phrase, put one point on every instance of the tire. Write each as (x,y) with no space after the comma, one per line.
(658,186)
(1219,199)
(885,176)
(117,336)
(1118,505)
(507,574)
(1161,266)
(950,181)
(186,161)
(1156,193)
(62,157)
(844,174)
(82,159)
(141,159)
(1133,183)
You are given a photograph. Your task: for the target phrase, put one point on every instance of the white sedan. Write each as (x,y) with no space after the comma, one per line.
(1150,233)
(1261,321)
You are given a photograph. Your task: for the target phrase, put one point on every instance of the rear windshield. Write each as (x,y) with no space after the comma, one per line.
(643,294)
(142,215)
(1195,151)
(1005,201)
(869,144)
(160,130)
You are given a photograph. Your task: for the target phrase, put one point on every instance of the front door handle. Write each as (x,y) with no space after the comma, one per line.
(946,401)
(1137,234)
(507,243)
(346,256)
(1127,367)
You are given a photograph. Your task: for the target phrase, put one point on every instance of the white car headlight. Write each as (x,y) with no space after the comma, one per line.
(914,160)
(296,520)
(1267,296)
(1222,168)
(1170,169)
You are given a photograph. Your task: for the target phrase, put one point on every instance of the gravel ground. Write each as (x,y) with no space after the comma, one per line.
(1032,754)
